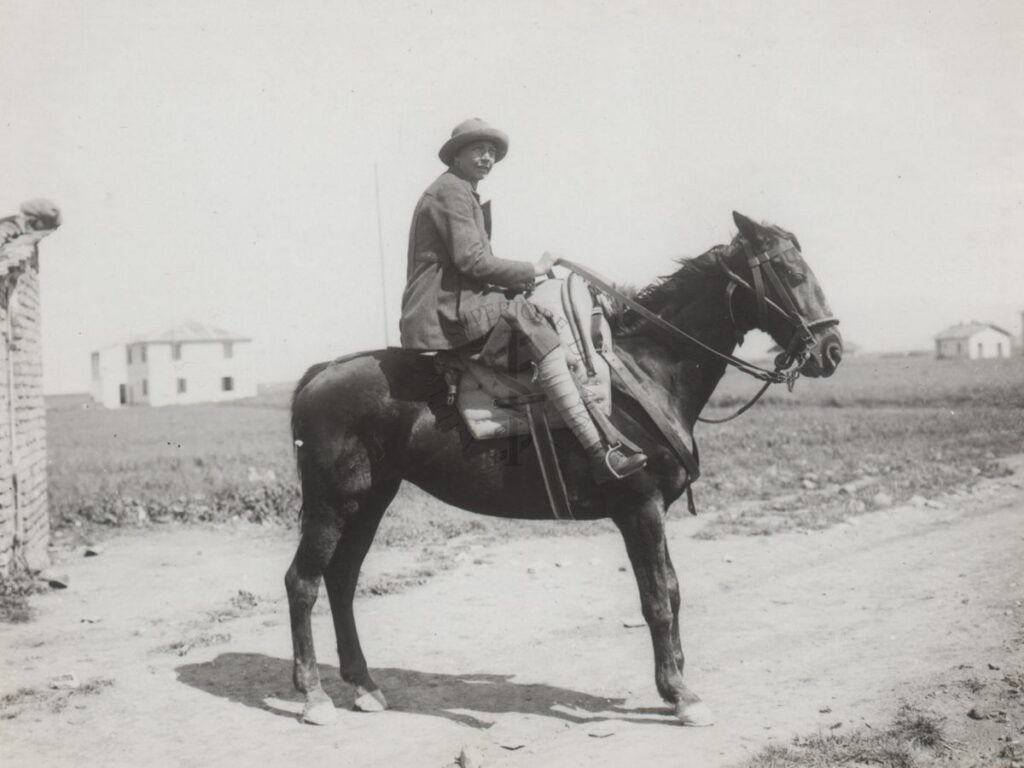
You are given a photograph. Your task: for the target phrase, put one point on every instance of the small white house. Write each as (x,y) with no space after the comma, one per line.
(973,341)
(190,363)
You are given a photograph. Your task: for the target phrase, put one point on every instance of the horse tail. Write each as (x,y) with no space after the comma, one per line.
(307,377)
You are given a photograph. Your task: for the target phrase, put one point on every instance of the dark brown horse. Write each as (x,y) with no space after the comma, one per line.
(362,425)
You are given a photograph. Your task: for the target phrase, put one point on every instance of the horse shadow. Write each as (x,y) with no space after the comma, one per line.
(258,681)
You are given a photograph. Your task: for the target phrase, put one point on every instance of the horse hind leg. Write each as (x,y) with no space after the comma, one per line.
(341,578)
(302,582)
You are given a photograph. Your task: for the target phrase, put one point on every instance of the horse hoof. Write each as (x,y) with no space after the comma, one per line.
(319,709)
(370,701)
(695,713)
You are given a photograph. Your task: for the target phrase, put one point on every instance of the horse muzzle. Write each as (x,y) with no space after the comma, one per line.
(824,356)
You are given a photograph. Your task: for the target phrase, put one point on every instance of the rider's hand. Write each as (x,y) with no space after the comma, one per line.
(544,264)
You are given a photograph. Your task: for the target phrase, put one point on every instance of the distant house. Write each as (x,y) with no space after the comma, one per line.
(973,341)
(190,363)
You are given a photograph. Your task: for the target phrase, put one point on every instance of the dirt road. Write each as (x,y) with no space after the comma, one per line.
(519,649)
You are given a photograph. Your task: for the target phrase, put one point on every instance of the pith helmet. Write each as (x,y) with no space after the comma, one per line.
(469,131)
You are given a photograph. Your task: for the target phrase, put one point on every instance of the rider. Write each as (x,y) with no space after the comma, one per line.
(459,295)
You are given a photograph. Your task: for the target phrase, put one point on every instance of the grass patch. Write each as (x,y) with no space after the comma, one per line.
(23,700)
(198,640)
(15,591)
(914,738)
(391,584)
(789,468)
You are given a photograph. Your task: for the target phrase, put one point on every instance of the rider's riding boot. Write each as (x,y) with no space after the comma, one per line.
(558,384)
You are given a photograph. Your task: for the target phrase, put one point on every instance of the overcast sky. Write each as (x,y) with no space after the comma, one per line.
(215,160)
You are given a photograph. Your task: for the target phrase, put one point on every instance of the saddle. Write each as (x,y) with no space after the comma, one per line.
(491,402)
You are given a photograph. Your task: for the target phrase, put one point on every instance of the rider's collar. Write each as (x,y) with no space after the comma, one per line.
(455,172)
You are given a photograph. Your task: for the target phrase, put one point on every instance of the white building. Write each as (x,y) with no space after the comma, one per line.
(110,376)
(973,341)
(190,363)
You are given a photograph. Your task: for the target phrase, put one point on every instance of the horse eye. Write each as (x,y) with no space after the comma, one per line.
(797,278)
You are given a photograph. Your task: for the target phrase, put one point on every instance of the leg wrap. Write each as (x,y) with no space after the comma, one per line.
(559,385)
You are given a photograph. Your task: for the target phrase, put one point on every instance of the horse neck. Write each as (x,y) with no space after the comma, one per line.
(689,373)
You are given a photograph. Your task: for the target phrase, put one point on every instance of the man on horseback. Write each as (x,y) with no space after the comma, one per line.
(460,296)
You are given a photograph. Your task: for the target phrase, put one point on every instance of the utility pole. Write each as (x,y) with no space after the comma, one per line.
(380,249)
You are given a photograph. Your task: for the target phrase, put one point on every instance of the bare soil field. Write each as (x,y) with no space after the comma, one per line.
(524,651)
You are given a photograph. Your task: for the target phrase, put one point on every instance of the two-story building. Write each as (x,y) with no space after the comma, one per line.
(189,363)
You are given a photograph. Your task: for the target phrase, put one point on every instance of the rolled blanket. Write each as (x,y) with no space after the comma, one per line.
(40,213)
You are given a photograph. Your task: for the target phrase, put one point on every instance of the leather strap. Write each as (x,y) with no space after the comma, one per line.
(571,319)
(755,271)
(550,470)
(592,277)
(637,389)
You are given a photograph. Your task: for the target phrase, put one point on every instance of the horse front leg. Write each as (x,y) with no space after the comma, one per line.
(643,530)
(675,601)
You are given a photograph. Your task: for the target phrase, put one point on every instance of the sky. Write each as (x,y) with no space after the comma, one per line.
(225,161)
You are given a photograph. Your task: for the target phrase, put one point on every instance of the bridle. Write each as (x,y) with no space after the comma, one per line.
(761,268)
(787,365)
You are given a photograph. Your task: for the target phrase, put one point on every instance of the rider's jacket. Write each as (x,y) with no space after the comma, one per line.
(456,287)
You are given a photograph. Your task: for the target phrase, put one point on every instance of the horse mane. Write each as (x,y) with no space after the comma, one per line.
(667,291)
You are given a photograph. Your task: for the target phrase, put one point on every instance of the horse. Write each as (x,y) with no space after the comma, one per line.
(361,426)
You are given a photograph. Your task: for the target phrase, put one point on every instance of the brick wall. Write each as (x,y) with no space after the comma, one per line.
(25,525)
(7,517)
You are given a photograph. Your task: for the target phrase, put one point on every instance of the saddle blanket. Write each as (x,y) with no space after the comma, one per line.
(584,332)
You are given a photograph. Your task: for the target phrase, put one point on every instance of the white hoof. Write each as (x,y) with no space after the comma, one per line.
(319,709)
(696,713)
(370,701)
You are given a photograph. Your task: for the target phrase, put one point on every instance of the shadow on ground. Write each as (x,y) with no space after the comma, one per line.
(252,678)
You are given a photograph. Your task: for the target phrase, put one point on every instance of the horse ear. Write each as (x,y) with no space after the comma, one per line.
(746,227)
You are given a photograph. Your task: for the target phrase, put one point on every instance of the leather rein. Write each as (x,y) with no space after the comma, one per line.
(787,365)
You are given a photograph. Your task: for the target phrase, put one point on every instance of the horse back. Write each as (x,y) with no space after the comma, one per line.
(365,380)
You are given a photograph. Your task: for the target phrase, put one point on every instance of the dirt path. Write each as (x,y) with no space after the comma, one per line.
(521,643)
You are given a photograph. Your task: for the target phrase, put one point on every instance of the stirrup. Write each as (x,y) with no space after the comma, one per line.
(628,465)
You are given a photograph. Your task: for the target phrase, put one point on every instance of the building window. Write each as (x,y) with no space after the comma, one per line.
(175,351)
(182,386)
(227,384)
(128,350)
(122,394)
(229,349)
(145,388)
(142,353)
(999,349)
(981,350)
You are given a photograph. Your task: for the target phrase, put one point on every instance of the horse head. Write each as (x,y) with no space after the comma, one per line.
(772,288)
